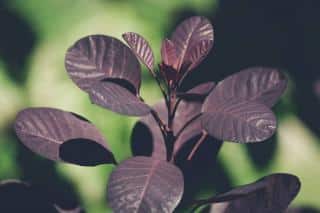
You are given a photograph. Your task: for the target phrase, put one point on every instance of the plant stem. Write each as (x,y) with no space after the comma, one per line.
(160,123)
(199,142)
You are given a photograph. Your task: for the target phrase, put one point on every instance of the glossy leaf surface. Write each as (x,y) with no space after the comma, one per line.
(97,57)
(272,193)
(59,135)
(118,99)
(237,121)
(263,85)
(191,34)
(143,184)
(141,48)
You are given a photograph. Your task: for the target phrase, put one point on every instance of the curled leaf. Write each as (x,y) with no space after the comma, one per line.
(118,99)
(59,135)
(140,47)
(144,184)
(272,193)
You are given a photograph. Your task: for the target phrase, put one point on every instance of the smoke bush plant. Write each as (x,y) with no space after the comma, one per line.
(237,109)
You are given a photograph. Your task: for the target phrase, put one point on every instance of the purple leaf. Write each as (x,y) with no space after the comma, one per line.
(59,135)
(97,57)
(18,196)
(189,37)
(239,121)
(150,127)
(140,47)
(143,184)
(263,85)
(198,92)
(270,194)
(168,54)
(198,53)
(118,99)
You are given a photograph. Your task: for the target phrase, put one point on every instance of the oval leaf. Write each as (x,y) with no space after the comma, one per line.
(191,34)
(198,53)
(272,193)
(97,57)
(263,85)
(241,122)
(59,135)
(143,184)
(118,99)
(141,48)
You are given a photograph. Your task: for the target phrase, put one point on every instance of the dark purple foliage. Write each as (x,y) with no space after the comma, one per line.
(144,184)
(53,133)
(236,109)
(18,196)
(272,193)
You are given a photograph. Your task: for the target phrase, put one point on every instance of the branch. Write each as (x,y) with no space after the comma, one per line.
(161,125)
(199,142)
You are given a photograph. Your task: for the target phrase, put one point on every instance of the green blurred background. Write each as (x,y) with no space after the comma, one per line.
(35,35)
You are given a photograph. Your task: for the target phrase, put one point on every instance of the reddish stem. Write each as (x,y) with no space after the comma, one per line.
(199,142)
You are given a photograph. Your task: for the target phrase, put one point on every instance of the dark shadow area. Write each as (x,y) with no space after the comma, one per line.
(261,154)
(19,197)
(16,42)
(203,171)
(43,177)
(85,152)
(141,140)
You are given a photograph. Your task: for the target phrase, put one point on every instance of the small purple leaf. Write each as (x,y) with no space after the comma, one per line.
(239,121)
(59,135)
(97,57)
(263,85)
(188,36)
(198,53)
(118,99)
(270,194)
(140,47)
(168,54)
(144,184)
